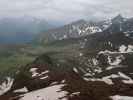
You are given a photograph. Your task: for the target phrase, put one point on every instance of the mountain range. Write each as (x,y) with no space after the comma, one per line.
(79,61)
(84,28)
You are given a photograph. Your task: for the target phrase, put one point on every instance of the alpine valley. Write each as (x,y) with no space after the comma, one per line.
(78,61)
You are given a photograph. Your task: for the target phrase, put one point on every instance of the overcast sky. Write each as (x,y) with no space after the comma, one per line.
(66,10)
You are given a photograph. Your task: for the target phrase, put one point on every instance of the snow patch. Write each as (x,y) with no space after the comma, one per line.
(88,74)
(6,85)
(80,54)
(75,94)
(127,80)
(34,72)
(45,72)
(110,43)
(104,79)
(98,70)
(118,97)
(108,79)
(21,90)
(126,49)
(45,77)
(122,49)
(49,93)
(112,67)
(107,52)
(117,61)
(63,81)
(130,48)
(75,70)
(94,29)
(95,62)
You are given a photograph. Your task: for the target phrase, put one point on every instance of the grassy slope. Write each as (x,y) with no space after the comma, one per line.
(13,57)
(22,55)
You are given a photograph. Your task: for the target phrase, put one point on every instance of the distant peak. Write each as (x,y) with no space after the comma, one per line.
(119,18)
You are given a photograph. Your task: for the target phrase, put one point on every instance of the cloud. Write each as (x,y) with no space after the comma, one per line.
(65,10)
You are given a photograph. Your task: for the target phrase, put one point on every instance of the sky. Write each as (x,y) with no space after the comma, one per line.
(66,10)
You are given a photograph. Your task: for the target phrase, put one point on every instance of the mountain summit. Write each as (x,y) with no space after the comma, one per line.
(118,19)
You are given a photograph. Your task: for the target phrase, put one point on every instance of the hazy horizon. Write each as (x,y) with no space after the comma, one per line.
(65,11)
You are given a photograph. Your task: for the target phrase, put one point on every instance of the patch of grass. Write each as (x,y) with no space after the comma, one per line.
(11,59)
(12,63)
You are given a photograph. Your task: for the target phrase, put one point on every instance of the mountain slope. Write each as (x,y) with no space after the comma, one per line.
(83,28)
(97,66)
(121,24)
(73,30)
(84,73)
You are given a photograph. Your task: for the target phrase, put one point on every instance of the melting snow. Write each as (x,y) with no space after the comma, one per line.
(117,61)
(54,83)
(107,51)
(104,79)
(22,90)
(123,75)
(98,70)
(127,34)
(75,93)
(118,97)
(94,29)
(110,43)
(108,79)
(95,62)
(45,77)
(107,24)
(75,70)
(124,49)
(130,48)
(88,74)
(50,93)
(128,79)
(6,86)
(80,54)
(65,36)
(111,67)
(45,72)
(85,40)
(63,81)
(33,71)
